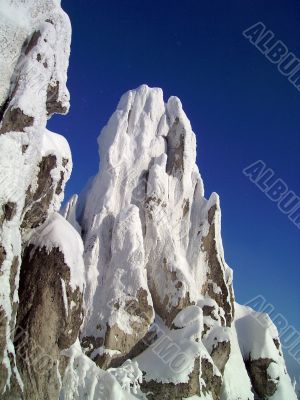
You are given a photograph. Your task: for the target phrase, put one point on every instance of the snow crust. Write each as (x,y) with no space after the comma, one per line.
(133,152)
(236,382)
(23,85)
(18,171)
(84,380)
(145,219)
(18,20)
(172,356)
(53,143)
(256,335)
(65,298)
(56,232)
(202,397)
(69,213)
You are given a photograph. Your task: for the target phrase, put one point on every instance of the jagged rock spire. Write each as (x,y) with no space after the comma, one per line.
(155,267)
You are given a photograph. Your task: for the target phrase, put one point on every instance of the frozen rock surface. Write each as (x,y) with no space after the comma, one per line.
(148,168)
(126,293)
(41,264)
(158,289)
(42,276)
(50,310)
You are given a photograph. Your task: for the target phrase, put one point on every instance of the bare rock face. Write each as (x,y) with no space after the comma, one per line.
(216,273)
(38,201)
(49,313)
(262,383)
(220,354)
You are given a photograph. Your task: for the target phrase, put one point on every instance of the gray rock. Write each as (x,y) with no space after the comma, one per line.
(47,323)
(262,383)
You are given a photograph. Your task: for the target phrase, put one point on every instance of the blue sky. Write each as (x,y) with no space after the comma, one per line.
(241,108)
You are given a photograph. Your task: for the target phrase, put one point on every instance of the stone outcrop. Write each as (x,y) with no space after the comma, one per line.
(34,167)
(154,258)
(126,312)
(152,300)
(49,316)
(169,391)
(263,384)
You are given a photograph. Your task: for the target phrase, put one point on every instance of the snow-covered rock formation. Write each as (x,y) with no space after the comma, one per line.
(158,289)
(143,306)
(41,264)
(41,269)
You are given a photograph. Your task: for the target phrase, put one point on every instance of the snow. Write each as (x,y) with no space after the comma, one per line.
(188,316)
(56,232)
(256,333)
(65,298)
(124,277)
(53,143)
(135,235)
(125,158)
(84,380)
(202,397)
(251,324)
(19,20)
(12,188)
(69,213)
(236,382)
(144,218)
(19,169)
(172,356)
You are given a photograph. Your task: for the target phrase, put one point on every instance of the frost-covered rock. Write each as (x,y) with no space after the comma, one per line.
(50,310)
(84,380)
(260,347)
(148,229)
(177,364)
(148,153)
(22,26)
(34,162)
(69,213)
(126,311)
(155,288)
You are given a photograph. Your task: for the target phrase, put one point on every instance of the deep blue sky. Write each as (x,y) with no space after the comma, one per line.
(239,105)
